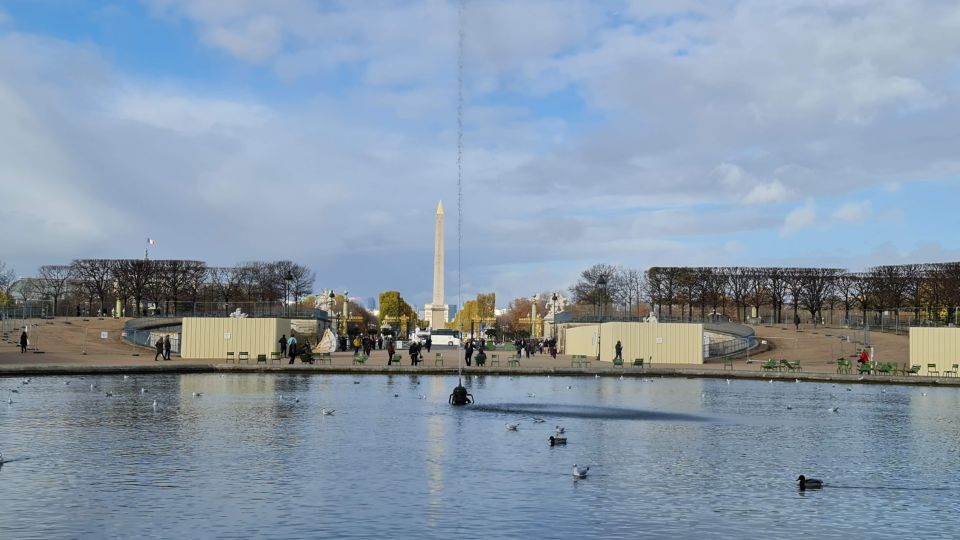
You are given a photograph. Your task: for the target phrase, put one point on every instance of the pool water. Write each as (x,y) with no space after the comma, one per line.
(254,457)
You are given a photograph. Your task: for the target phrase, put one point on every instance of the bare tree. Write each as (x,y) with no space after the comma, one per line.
(778,291)
(6,276)
(845,287)
(53,282)
(585,290)
(816,286)
(226,284)
(96,276)
(738,283)
(137,277)
(758,288)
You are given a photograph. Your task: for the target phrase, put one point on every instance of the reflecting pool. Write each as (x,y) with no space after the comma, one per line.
(254,456)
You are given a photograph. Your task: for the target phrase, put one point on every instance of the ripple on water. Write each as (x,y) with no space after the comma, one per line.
(669,459)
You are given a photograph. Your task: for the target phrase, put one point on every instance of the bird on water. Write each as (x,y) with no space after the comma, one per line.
(809,483)
(579,472)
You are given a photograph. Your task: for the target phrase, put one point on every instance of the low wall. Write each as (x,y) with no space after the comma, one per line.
(671,343)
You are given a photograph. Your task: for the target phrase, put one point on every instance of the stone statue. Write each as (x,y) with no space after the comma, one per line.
(322,301)
(238,314)
(560,305)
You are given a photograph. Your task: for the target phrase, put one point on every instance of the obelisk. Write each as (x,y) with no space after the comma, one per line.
(437,311)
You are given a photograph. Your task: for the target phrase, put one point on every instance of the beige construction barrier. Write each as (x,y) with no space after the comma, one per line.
(665,343)
(214,337)
(940,346)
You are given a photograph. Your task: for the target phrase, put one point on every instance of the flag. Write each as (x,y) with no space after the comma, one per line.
(151,241)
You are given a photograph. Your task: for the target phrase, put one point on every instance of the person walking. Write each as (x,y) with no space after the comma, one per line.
(159,346)
(356,345)
(283,345)
(292,347)
(469,351)
(391,350)
(796,321)
(166,347)
(23,342)
(429,344)
(619,348)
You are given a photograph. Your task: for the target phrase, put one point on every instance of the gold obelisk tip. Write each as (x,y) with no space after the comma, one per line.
(440,208)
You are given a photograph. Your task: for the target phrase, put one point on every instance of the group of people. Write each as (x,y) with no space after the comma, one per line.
(163,348)
(531,347)
(290,348)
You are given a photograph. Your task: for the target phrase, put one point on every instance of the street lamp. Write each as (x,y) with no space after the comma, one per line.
(286,288)
(533,316)
(330,315)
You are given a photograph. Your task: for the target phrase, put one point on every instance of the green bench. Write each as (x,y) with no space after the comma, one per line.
(638,362)
(395,359)
(359,359)
(770,365)
(514,361)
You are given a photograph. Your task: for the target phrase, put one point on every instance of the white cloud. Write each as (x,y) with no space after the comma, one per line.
(767,193)
(799,218)
(853,212)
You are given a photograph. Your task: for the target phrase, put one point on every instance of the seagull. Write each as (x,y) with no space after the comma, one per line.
(834,409)
(796,380)
(327,412)
(561,429)
(621,377)
(728,381)
(569,387)
(143,390)
(860,378)
(923,393)
(789,407)
(125,377)
(154,404)
(422,396)
(197,394)
(770,381)
(66,383)
(26,381)
(531,394)
(596,375)
(91,388)
(9,402)
(578,472)
(849,389)
(512,427)
(537,420)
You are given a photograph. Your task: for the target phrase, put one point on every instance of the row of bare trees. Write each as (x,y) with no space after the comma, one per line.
(168,285)
(683,291)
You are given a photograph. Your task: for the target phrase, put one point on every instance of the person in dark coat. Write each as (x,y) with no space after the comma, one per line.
(429,344)
(469,352)
(283,345)
(619,349)
(159,347)
(23,342)
(166,347)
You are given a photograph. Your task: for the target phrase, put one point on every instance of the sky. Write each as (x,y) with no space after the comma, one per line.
(640,133)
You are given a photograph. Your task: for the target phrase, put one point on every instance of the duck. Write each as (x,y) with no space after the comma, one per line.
(809,483)
(580,472)
(327,412)
(557,440)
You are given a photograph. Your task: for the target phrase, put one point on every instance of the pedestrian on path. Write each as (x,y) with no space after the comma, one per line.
(283,345)
(619,348)
(166,347)
(292,348)
(23,342)
(159,346)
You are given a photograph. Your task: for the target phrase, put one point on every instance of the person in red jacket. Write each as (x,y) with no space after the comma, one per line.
(864,357)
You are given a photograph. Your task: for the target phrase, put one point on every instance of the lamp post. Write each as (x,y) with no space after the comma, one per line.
(286,291)
(333,299)
(601,296)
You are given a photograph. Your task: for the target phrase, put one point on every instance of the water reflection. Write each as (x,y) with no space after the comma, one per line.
(241,461)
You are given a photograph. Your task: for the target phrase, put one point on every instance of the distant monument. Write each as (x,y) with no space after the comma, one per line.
(437,313)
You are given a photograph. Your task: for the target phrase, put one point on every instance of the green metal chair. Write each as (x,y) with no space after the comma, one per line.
(952,372)
(932,370)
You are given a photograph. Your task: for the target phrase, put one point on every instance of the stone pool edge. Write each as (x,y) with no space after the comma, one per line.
(22,370)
